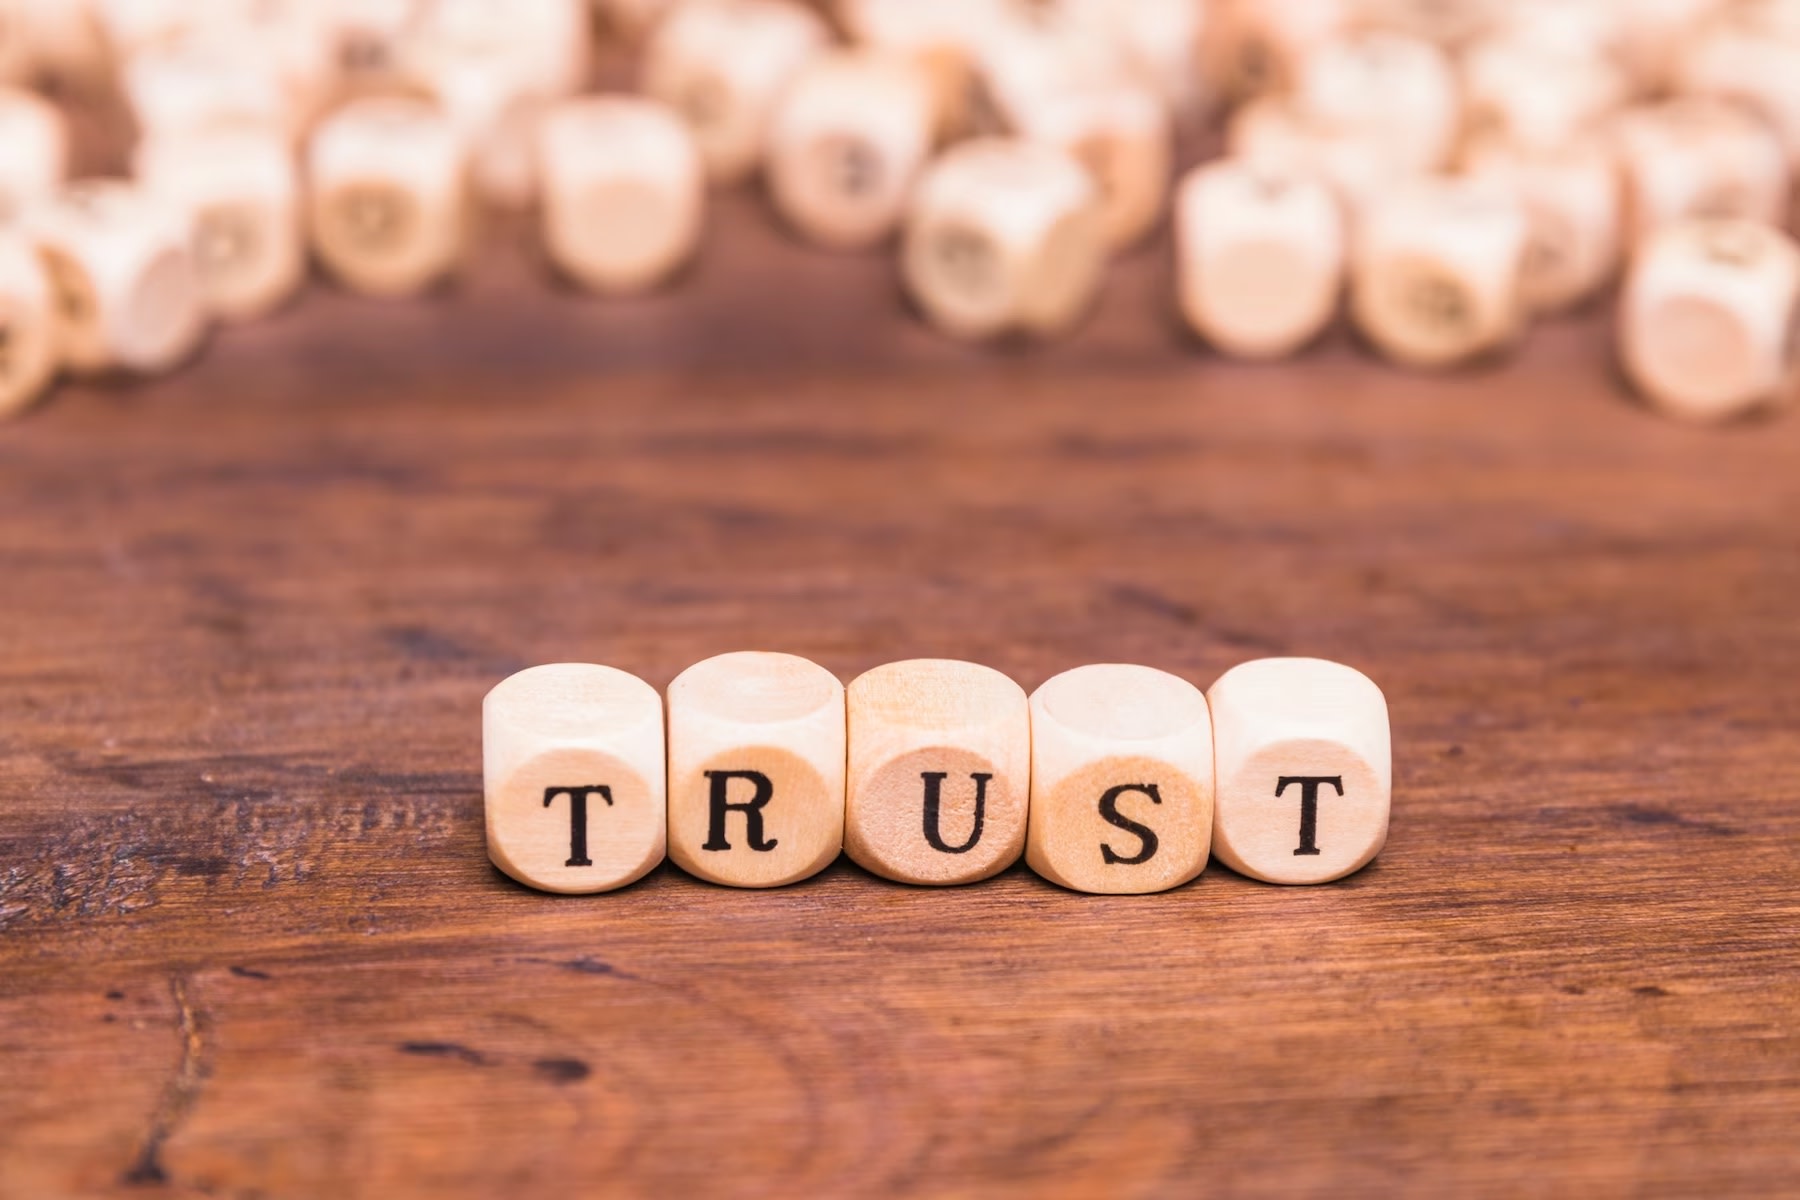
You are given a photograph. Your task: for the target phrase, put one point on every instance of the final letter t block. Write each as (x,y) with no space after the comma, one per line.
(1303,769)
(572,765)
(1121,780)
(756,769)
(939,773)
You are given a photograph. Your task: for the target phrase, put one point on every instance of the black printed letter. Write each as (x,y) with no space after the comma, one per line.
(578,797)
(1309,805)
(751,808)
(934,784)
(1109,812)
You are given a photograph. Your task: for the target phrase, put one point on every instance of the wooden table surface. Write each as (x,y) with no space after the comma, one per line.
(251,945)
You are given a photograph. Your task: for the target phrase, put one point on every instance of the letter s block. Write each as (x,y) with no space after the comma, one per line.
(1121,780)
(1303,769)
(939,771)
(572,765)
(756,769)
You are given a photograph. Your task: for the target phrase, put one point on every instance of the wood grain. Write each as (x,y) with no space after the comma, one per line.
(250,944)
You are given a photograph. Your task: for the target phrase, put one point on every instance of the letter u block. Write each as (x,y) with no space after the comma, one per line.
(1303,769)
(1121,780)
(756,769)
(939,772)
(572,765)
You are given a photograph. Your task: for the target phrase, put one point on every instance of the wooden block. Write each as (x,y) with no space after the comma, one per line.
(1396,89)
(1121,780)
(1254,47)
(756,769)
(723,65)
(34,151)
(1274,136)
(939,772)
(846,145)
(205,82)
(1434,277)
(1160,43)
(1521,93)
(1653,35)
(1450,24)
(127,293)
(387,202)
(624,191)
(1707,323)
(1574,212)
(241,192)
(943,37)
(1259,257)
(1699,157)
(67,46)
(1122,134)
(1303,770)
(573,775)
(1750,54)
(1004,236)
(28,335)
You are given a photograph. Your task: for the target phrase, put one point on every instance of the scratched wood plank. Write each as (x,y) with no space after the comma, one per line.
(250,944)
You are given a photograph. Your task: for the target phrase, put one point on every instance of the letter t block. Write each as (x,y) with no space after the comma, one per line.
(756,769)
(1303,769)
(572,765)
(939,773)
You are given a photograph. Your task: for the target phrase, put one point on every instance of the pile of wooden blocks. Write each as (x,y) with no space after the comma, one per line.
(762,767)
(1453,167)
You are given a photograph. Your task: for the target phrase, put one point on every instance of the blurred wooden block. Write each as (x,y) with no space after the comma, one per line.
(1254,48)
(241,191)
(1699,157)
(723,65)
(1707,323)
(573,777)
(1303,770)
(68,47)
(1537,99)
(1653,36)
(1004,236)
(943,37)
(846,145)
(939,771)
(1121,780)
(1260,257)
(28,335)
(203,83)
(1273,135)
(387,195)
(1749,53)
(624,191)
(127,293)
(1574,212)
(1399,90)
(1160,42)
(1120,131)
(756,769)
(1447,23)
(1435,273)
(34,151)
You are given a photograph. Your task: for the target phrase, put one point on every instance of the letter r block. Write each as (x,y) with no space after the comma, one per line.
(756,769)
(1121,780)
(572,765)
(1303,769)
(939,771)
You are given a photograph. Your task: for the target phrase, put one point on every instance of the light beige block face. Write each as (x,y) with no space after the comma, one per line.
(1398,89)
(34,151)
(944,37)
(624,191)
(1529,96)
(1159,42)
(122,272)
(28,337)
(1709,323)
(1574,212)
(205,82)
(1004,236)
(1435,273)
(723,65)
(1121,780)
(756,769)
(1122,134)
(1255,49)
(241,193)
(1273,135)
(1699,157)
(1446,23)
(1750,54)
(573,775)
(387,197)
(939,773)
(1259,257)
(846,145)
(1303,770)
